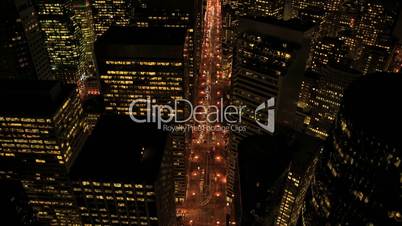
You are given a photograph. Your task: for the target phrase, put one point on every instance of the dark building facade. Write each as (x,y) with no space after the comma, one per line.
(124,177)
(15,204)
(358,178)
(275,197)
(42,127)
(22,45)
(269,59)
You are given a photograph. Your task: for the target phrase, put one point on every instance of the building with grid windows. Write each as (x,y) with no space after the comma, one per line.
(275,197)
(124,177)
(270,8)
(358,179)
(22,45)
(110,12)
(42,127)
(141,63)
(173,14)
(63,39)
(326,96)
(83,17)
(268,59)
(327,50)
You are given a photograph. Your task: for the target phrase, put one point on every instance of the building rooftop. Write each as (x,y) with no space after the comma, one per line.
(32,98)
(121,150)
(184,5)
(292,24)
(143,36)
(145,43)
(371,104)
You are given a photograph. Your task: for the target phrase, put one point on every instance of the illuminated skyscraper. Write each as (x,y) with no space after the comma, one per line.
(304,104)
(22,45)
(269,57)
(42,128)
(303,4)
(125,177)
(374,59)
(327,50)
(326,96)
(309,10)
(272,8)
(358,181)
(365,29)
(83,17)
(141,63)
(372,22)
(275,197)
(173,14)
(299,176)
(63,39)
(110,12)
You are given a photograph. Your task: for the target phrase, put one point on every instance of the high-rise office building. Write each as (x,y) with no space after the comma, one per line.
(270,54)
(365,30)
(326,96)
(299,176)
(304,102)
(270,8)
(275,197)
(83,17)
(154,17)
(371,24)
(110,12)
(42,127)
(358,181)
(15,204)
(260,192)
(124,177)
(173,14)
(140,63)
(22,45)
(91,99)
(302,4)
(374,59)
(63,39)
(313,10)
(327,50)
(269,57)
